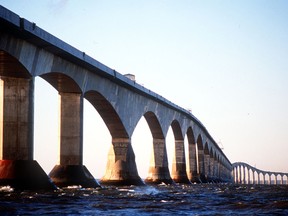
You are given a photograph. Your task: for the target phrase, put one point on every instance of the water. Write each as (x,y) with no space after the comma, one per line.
(200,199)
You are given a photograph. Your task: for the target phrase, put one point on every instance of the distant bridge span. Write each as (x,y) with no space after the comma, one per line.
(26,52)
(244,173)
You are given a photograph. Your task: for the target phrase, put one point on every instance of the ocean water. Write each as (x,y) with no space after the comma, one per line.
(196,199)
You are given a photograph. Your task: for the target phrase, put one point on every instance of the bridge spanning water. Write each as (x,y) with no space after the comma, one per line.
(244,173)
(26,52)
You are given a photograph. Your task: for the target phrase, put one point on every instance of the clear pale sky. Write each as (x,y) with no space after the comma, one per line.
(226,60)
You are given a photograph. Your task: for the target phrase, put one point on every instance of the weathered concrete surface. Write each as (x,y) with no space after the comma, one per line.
(17,104)
(158,170)
(121,167)
(71,129)
(179,172)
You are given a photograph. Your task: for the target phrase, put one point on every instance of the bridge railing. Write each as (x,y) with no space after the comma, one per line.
(244,173)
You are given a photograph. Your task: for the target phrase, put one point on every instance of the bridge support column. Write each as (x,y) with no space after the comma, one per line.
(201,161)
(207,166)
(71,170)
(17,167)
(159,171)
(179,173)
(121,167)
(192,169)
(211,168)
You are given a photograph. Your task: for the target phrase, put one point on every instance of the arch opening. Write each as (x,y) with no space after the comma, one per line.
(142,143)
(159,170)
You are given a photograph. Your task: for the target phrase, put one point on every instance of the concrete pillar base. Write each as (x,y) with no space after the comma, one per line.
(121,174)
(195,179)
(203,179)
(24,175)
(124,182)
(181,177)
(68,175)
(159,175)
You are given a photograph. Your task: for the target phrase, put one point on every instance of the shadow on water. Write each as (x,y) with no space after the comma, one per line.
(197,199)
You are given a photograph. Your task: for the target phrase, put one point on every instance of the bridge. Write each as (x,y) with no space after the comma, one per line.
(26,52)
(244,173)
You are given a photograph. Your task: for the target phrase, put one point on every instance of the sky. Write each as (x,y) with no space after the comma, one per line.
(225,60)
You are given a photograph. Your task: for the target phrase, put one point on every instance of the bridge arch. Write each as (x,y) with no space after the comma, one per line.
(158,171)
(108,114)
(62,82)
(11,66)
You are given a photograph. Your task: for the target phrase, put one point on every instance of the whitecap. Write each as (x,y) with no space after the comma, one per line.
(6,189)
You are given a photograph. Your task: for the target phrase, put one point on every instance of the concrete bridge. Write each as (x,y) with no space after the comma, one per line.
(243,173)
(26,52)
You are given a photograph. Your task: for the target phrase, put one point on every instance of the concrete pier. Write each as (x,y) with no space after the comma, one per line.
(158,170)
(179,172)
(192,162)
(121,166)
(70,170)
(201,161)
(17,167)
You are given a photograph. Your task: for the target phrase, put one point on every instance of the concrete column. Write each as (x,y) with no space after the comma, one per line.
(70,170)
(270,179)
(17,120)
(121,167)
(248,170)
(216,167)
(211,168)
(244,175)
(236,175)
(240,175)
(207,166)
(179,173)
(17,167)
(201,163)
(192,163)
(253,181)
(71,129)
(159,171)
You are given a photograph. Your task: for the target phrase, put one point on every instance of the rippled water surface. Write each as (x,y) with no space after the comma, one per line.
(200,199)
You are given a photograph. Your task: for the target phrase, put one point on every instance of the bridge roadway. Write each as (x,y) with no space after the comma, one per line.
(26,52)
(244,173)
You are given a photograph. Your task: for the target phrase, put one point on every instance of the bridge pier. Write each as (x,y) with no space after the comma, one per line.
(17,167)
(71,170)
(179,174)
(158,170)
(192,166)
(121,167)
(201,161)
